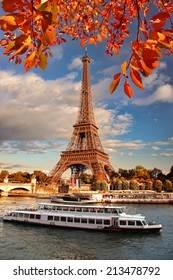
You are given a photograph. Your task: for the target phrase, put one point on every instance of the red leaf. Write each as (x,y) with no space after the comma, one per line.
(128,90)
(136,78)
(83,42)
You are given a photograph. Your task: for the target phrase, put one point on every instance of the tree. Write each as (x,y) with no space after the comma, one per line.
(141,172)
(32,27)
(157,185)
(40,176)
(168,186)
(3,174)
(134,185)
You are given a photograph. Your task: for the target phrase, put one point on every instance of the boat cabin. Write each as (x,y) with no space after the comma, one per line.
(82,208)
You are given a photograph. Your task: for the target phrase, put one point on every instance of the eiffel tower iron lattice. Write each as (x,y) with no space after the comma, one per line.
(85,150)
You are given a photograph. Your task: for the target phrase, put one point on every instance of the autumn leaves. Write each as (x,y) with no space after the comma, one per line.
(32,27)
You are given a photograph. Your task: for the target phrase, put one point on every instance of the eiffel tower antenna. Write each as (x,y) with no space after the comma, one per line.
(85,150)
(86,50)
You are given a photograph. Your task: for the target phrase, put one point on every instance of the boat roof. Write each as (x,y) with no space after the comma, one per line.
(82,205)
(90,215)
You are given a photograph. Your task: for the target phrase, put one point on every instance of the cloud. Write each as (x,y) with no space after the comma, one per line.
(33,108)
(75,64)
(167,154)
(155,148)
(158,87)
(163,93)
(30,147)
(129,145)
(57,52)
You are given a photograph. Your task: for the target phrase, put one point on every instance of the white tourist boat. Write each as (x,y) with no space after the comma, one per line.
(92,217)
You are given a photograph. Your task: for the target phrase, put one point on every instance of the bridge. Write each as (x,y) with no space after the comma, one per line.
(7,187)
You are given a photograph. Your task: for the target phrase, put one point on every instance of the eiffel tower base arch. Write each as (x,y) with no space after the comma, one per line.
(96,161)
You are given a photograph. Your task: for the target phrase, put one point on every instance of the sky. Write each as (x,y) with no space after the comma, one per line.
(39,108)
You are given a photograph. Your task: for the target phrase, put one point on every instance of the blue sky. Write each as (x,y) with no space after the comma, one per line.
(39,108)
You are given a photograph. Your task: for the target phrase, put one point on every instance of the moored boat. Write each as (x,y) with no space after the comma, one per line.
(92,217)
(74,199)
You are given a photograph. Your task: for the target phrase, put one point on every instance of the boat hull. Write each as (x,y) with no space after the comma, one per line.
(148,229)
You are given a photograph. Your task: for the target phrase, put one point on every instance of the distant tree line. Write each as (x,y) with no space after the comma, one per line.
(138,178)
(23,177)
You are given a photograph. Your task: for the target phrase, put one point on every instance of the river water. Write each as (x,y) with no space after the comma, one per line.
(34,242)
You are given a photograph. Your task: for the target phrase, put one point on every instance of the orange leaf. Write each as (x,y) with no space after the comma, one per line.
(124,68)
(128,90)
(50,35)
(83,42)
(91,41)
(115,83)
(29,62)
(136,78)
(163,45)
(146,71)
(43,61)
(8,23)
(99,38)
(104,31)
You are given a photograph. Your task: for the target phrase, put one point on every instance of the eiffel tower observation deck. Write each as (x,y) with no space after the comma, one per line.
(85,150)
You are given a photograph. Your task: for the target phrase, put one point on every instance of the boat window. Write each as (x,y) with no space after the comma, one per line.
(99,222)
(59,208)
(122,223)
(85,210)
(63,219)
(131,223)
(91,221)
(138,223)
(106,222)
(144,222)
(84,220)
(78,209)
(21,215)
(38,217)
(50,218)
(72,209)
(108,210)
(56,218)
(26,215)
(114,211)
(15,214)
(77,220)
(70,219)
(92,210)
(32,216)
(99,210)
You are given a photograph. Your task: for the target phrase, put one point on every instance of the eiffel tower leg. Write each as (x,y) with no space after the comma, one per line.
(58,170)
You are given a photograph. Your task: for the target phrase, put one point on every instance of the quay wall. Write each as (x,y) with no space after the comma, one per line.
(139,201)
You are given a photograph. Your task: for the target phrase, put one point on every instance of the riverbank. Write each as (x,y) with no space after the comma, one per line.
(114,197)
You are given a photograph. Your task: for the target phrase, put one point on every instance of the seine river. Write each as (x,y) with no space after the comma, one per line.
(31,242)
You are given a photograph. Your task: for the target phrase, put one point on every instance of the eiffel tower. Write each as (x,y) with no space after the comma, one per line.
(84,150)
